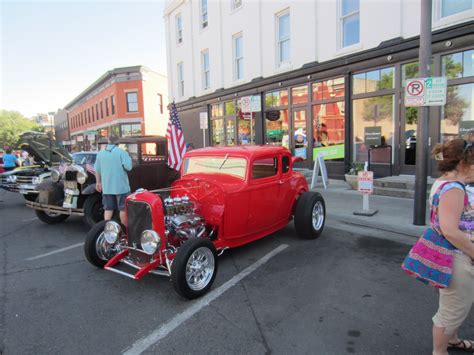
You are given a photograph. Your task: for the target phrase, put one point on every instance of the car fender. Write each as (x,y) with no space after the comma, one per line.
(50,185)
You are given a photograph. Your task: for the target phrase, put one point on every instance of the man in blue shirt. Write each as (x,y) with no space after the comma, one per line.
(10,161)
(111,168)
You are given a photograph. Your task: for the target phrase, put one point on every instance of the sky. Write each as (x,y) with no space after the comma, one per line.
(50,51)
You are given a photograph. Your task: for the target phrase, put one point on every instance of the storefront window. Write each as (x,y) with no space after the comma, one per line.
(410,71)
(276,98)
(276,124)
(373,112)
(373,81)
(217,126)
(328,89)
(134,129)
(328,130)
(299,95)
(217,110)
(300,137)
(458,65)
(458,114)
(229,108)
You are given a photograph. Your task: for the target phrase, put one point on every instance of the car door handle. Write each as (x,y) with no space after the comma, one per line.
(281,182)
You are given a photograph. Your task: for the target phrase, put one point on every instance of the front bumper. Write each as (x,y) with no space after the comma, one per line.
(55,209)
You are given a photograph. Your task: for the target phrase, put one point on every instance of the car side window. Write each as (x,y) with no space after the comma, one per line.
(132,149)
(264,167)
(285,164)
(152,152)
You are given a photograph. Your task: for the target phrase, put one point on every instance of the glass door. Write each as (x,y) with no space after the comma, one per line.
(299,143)
(408,122)
(230,131)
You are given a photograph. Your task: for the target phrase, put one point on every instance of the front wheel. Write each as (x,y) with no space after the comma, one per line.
(50,217)
(98,252)
(310,215)
(194,268)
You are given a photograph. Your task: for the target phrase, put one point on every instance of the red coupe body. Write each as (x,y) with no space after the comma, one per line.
(226,196)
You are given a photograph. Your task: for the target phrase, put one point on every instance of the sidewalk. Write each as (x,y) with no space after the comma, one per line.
(394,214)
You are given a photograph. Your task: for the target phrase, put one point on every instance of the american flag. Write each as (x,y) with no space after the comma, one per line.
(90,168)
(174,133)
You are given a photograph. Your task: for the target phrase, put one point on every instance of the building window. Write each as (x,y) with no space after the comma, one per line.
(89,114)
(92,110)
(132,101)
(160,102)
(283,35)
(106,107)
(128,130)
(349,23)
(328,130)
(101,110)
(204,21)
(179,29)
(452,7)
(276,98)
(112,102)
(97,111)
(235,4)
(180,80)
(373,81)
(238,57)
(299,95)
(457,114)
(206,75)
(458,65)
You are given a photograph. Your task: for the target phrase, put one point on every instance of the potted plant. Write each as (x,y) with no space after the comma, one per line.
(351,176)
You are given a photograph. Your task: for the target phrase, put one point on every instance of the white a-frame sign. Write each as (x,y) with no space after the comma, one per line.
(320,165)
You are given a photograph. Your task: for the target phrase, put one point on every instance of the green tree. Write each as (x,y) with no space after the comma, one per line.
(12,124)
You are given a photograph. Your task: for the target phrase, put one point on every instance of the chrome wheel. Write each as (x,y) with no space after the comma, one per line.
(51,214)
(318,215)
(200,268)
(104,250)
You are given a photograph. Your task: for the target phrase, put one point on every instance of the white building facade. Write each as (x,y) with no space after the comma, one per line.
(326,72)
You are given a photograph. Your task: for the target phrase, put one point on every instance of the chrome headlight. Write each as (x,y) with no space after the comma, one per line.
(150,241)
(112,231)
(55,175)
(36,180)
(81,177)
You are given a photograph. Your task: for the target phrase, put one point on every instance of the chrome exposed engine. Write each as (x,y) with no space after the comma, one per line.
(181,219)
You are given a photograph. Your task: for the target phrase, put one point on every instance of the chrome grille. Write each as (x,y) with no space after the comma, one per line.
(24,179)
(139,219)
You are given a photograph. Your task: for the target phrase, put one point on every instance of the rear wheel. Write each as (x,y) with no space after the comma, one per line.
(194,268)
(50,217)
(310,215)
(93,210)
(98,252)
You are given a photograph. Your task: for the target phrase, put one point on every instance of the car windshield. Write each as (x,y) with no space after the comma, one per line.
(221,164)
(83,158)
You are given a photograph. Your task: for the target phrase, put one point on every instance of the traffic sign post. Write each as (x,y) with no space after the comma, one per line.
(426,92)
(365,180)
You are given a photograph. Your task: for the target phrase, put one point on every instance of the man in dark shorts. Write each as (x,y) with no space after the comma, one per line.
(111,168)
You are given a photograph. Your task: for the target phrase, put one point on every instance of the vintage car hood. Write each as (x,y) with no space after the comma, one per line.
(227,183)
(43,149)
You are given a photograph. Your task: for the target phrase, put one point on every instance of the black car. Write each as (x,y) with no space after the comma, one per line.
(71,189)
(47,154)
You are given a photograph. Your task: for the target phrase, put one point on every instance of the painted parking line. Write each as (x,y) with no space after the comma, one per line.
(55,251)
(162,331)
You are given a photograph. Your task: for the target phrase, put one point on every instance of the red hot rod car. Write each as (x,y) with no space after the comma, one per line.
(226,197)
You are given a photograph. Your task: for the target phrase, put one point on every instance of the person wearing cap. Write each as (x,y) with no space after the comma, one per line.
(111,168)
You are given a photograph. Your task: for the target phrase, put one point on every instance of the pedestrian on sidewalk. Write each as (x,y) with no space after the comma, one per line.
(111,168)
(456,164)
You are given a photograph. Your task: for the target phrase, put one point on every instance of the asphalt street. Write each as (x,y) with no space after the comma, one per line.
(342,293)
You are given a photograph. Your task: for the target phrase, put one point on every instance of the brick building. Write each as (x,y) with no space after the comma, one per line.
(127,101)
(61,127)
